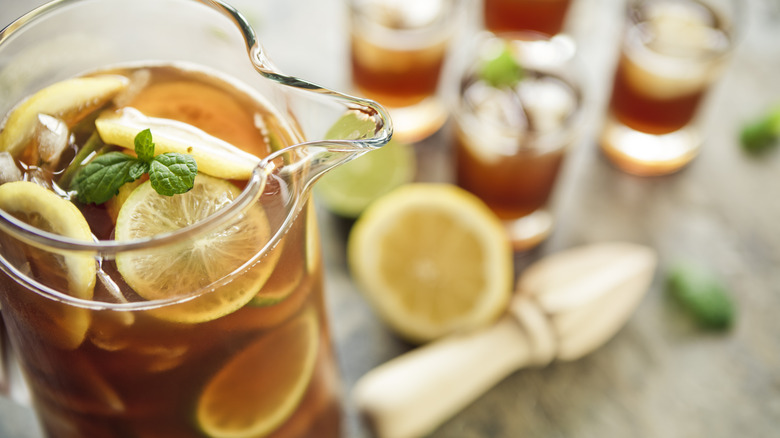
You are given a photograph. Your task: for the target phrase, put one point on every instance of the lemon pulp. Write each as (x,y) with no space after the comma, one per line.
(224,265)
(432,259)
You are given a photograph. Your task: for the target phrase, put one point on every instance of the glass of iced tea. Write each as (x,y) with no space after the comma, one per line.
(398,49)
(543,16)
(672,53)
(512,134)
(160,270)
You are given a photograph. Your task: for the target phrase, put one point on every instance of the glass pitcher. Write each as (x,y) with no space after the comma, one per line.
(150,314)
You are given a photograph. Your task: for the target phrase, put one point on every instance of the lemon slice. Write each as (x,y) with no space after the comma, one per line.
(350,188)
(432,259)
(69,100)
(222,263)
(74,273)
(215,157)
(261,386)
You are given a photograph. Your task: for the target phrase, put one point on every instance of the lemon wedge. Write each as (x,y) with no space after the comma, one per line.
(215,157)
(70,100)
(73,273)
(261,386)
(223,264)
(432,259)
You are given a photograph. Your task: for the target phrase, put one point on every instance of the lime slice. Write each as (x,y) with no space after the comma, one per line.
(348,189)
(222,263)
(215,157)
(74,273)
(432,259)
(261,386)
(70,100)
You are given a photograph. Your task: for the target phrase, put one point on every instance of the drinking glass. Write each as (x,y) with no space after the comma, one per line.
(398,49)
(510,142)
(672,53)
(139,336)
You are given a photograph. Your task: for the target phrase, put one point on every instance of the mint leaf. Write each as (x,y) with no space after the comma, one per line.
(144,147)
(503,70)
(763,133)
(101,179)
(172,173)
(702,295)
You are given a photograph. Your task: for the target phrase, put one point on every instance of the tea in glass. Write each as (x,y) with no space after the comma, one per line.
(672,53)
(397,53)
(511,141)
(543,16)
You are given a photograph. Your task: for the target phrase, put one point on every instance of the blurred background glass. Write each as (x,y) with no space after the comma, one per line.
(672,52)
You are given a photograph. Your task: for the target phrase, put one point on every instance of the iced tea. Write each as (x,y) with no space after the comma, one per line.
(250,356)
(545,16)
(397,53)
(511,143)
(672,53)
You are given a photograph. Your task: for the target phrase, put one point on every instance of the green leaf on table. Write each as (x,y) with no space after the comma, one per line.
(702,295)
(763,133)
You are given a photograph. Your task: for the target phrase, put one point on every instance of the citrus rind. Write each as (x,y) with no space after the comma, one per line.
(214,156)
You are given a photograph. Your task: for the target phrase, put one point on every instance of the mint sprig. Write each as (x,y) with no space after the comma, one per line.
(763,133)
(170,173)
(503,70)
(702,294)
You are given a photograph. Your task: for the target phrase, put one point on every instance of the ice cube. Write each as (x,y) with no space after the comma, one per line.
(9,171)
(51,138)
(139,79)
(494,120)
(548,103)
(682,29)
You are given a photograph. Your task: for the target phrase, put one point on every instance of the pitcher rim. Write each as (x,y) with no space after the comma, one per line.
(256,183)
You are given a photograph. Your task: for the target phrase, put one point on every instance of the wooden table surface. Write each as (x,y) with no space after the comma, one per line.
(660,376)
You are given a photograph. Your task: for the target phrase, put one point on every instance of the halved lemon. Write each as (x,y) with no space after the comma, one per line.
(215,157)
(69,100)
(350,188)
(261,386)
(73,273)
(432,259)
(223,264)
